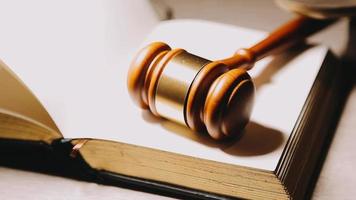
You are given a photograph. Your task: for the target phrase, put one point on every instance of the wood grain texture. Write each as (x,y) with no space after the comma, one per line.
(277,41)
(138,70)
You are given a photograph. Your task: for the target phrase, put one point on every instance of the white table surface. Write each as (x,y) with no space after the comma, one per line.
(337,179)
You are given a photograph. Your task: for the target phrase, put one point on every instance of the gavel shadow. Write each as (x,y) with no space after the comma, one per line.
(277,63)
(256,138)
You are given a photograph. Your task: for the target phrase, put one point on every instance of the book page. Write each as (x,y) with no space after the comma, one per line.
(79,70)
(16,100)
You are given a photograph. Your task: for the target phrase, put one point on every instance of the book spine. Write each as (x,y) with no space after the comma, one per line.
(45,158)
(21,154)
(71,162)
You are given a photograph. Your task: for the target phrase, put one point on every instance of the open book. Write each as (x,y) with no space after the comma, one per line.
(63,80)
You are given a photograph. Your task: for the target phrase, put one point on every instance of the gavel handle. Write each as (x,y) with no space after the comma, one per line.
(287,35)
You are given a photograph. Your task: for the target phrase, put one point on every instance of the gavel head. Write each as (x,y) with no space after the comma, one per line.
(188,89)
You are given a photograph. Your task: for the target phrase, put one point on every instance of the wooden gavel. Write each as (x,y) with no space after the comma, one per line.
(212,96)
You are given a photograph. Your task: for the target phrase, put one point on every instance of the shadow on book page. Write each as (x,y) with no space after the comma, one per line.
(259,139)
(277,63)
